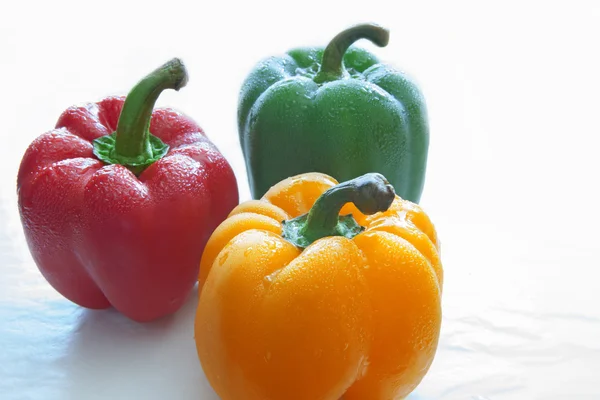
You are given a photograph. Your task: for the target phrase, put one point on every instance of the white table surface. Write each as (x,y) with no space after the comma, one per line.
(512,185)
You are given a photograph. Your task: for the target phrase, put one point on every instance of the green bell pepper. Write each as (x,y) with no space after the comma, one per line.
(336,110)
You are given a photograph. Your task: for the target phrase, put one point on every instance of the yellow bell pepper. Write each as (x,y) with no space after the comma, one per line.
(300,303)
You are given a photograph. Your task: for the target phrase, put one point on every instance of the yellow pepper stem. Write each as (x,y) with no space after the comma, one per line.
(371,193)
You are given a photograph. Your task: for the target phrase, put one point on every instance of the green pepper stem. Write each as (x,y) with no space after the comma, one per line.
(370,193)
(332,66)
(132,143)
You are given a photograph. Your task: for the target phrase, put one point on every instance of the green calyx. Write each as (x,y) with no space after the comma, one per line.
(104,149)
(132,145)
(332,66)
(371,193)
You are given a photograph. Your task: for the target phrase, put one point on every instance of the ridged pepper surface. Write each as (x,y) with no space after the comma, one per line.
(118,201)
(303,301)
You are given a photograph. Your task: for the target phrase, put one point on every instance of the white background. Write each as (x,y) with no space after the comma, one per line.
(513,92)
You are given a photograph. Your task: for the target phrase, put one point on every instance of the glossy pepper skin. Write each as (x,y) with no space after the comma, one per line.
(337,111)
(103,235)
(356,313)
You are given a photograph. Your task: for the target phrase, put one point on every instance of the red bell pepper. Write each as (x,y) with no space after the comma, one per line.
(122,218)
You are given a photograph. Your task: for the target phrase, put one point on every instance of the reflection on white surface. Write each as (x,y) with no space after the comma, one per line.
(52,349)
(512,184)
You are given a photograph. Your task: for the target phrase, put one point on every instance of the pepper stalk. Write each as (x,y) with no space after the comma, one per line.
(370,193)
(132,145)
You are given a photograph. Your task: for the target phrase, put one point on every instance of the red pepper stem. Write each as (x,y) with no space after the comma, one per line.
(132,143)
(332,66)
